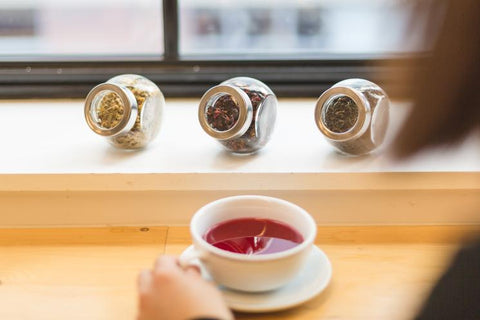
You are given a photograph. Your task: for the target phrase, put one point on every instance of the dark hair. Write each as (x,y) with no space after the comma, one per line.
(445,90)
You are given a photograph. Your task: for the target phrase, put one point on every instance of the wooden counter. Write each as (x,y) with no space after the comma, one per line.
(89,273)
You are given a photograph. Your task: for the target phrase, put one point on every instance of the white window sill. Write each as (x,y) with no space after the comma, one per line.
(55,171)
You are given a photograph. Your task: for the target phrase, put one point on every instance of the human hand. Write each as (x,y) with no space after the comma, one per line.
(168,292)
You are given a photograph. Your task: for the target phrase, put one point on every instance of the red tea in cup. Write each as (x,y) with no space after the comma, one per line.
(253,236)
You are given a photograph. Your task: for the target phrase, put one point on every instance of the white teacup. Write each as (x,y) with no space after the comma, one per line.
(252,272)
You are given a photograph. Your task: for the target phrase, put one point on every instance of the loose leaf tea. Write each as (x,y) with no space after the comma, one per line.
(250,139)
(341,114)
(136,137)
(353,129)
(242,124)
(110,110)
(373,96)
(223,114)
(108,113)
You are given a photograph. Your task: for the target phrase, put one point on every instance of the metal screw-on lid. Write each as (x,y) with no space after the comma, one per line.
(129,106)
(242,102)
(363,113)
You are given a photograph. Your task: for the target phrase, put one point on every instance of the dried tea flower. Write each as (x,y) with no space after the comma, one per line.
(223,114)
(240,113)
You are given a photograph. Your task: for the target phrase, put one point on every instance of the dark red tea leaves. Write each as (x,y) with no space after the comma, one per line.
(253,236)
(250,138)
(223,114)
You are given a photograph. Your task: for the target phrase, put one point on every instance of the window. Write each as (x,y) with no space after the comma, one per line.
(62,29)
(293,27)
(63,48)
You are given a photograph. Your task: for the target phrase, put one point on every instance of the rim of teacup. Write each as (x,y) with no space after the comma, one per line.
(198,238)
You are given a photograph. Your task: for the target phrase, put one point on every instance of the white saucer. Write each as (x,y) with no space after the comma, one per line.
(310,281)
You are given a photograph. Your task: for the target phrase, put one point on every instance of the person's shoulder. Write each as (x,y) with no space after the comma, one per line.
(457,293)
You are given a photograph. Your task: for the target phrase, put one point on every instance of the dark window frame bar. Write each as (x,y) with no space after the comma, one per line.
(170,30)
(288,76)
(307,78)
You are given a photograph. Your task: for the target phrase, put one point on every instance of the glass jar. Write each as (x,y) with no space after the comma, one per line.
(353,116)
(127,110)
(240,113)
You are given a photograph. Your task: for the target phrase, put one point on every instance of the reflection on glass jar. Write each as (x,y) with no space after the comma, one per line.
(127,110)
(240,113)
(353,116)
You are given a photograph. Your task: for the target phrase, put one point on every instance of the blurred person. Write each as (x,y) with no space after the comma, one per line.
(445,91)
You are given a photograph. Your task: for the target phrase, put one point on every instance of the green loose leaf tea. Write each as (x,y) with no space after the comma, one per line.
(353,116)
(110,110)
(341,114)
(136,136)
(126,110)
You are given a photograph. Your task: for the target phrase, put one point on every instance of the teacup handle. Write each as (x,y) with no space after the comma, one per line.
(188,259)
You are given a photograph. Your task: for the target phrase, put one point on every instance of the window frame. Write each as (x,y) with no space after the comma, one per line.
(190,76)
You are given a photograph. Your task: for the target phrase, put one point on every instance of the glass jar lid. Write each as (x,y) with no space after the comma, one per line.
(342,113)
(225,112)
(110,109)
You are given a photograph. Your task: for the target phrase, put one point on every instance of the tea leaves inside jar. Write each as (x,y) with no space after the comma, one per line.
(340,114)
(110,110)
(223,114)
(136,137)
(249,140)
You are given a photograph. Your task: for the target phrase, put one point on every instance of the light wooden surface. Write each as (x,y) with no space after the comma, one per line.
(89,273)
